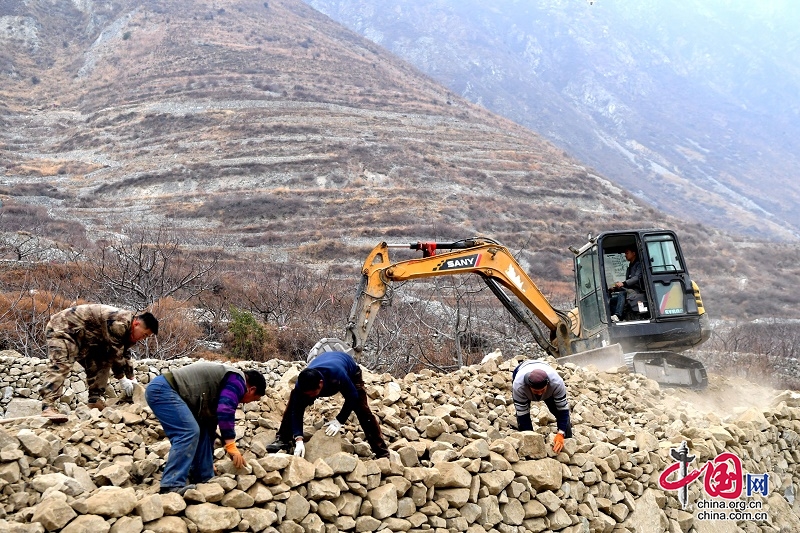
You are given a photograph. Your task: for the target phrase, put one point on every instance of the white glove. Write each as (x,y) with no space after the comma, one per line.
(333,427)
(127,385)
(299,449)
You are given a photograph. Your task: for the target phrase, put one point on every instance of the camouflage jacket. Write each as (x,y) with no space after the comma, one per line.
(101,333)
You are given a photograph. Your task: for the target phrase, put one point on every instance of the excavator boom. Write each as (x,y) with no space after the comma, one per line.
(492,261)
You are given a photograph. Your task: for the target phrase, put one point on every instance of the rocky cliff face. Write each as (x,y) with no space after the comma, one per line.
(457,462)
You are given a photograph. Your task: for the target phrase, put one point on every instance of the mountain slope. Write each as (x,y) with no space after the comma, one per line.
(690,105)
(238,119)
(273,133)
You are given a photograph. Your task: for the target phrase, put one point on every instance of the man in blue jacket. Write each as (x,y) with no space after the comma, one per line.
(327,374)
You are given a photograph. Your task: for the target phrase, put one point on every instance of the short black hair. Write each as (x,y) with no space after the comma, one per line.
(308,379)
(256,379)
(150,321)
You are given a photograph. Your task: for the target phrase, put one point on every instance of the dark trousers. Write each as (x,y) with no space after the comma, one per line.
(369,422)
(617,303)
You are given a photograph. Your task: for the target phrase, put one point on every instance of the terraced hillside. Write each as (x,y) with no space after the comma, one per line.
(260,122)
(268,130)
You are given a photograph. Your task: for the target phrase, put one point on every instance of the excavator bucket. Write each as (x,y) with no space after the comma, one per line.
(670,369)
(328,344)
(605,358)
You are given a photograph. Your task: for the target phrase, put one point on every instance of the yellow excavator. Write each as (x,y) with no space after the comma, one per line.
(667,317)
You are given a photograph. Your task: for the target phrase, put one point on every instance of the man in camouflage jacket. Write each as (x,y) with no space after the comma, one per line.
(99,338)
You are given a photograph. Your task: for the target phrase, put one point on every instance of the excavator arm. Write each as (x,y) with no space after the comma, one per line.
(493,262)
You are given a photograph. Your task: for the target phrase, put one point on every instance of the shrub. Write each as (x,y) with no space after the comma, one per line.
(247,338)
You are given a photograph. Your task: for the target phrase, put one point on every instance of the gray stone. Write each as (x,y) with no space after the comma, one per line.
(341,462)
(115,474)
(490,511)
(238,499)
(544,474)
(87,524)
(33,444)
(111,502)
(19,407)
(150,508)
(212,518)
(169,524)
(383,500)
(53,513)
(259,519)
(452,475)
(60,482)
(297,507)
(172,503)
(298,472)
(132,524)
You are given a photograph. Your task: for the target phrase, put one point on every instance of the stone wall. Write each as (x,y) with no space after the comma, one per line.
(457,462)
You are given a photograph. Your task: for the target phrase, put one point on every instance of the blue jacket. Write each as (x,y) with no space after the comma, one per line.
(339,372)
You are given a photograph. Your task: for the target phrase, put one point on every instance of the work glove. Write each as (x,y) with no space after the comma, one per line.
(333,427)
(558,442)
(299,449)
(236,456)
(127,385)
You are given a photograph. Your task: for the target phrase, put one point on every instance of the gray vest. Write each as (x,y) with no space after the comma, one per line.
(200,384)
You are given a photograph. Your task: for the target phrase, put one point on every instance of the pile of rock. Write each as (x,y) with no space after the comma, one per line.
(457,464)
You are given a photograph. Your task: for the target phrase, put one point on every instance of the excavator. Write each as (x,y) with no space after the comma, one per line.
(667,318)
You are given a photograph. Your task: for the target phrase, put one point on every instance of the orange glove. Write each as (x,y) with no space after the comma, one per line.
(236,456)
(558,442)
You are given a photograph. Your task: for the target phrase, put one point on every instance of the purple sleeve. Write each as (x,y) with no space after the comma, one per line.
(233,389)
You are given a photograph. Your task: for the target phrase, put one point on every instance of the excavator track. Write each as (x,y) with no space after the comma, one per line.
(669,368)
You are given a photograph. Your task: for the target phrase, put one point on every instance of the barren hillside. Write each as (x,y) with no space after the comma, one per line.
(267,130)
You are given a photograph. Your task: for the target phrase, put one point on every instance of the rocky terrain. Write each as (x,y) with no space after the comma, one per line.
(457,462)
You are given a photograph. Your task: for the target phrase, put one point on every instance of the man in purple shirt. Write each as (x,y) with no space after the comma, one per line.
(327,374)
(191,402)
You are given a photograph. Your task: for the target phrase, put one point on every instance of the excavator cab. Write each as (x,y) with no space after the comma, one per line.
(661,317)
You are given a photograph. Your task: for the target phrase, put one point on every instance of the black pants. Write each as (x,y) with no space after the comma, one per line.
(369,422)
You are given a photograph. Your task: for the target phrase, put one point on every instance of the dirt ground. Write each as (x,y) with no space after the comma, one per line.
(729,396)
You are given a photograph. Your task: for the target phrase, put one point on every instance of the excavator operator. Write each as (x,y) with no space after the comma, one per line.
(630,290)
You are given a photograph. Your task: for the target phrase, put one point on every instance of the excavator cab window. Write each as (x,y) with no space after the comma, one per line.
(671,291)
(663,255)
(589,282)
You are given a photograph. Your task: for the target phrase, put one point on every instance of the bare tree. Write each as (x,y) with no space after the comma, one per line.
(140,267)
(24,246)
(24,314)
(303,304)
